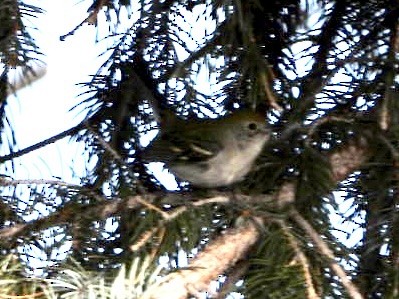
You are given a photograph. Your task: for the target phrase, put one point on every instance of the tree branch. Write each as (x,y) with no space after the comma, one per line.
(43,143)
(351,288)
(216,258)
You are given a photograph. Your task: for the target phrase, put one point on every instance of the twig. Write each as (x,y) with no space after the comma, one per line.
(147,235)
(270,97)
(106,146)
(181,210)
(91,19)
(99,210)
(302,259)
(143,239)
(104,143)
(150,206)
(5,181)
(350,287)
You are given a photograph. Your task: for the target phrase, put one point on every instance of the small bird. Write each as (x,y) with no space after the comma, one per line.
(210,153)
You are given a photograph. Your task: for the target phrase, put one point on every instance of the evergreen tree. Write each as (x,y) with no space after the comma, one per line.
(324,73)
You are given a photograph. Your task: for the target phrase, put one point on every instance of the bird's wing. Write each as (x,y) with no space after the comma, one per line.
(172,146)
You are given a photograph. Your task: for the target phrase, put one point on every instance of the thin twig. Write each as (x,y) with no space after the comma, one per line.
(181,210)
(105,145)
(5,181)
(270,97)
(143,239)
(91,19)
(43,143)
(150,206)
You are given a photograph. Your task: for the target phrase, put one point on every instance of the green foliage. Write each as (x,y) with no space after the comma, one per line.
(193,228)
(277,276)
(314,179)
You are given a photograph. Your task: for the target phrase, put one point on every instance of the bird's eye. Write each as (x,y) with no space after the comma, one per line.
(252,126)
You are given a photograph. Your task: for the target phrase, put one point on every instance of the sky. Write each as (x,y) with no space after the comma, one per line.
(40,110)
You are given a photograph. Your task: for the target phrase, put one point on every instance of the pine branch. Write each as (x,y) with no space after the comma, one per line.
(68,215)
(166,217)
(91,19)
(316,78)
(213,261)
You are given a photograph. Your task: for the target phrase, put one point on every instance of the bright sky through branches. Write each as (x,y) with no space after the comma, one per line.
(41,110)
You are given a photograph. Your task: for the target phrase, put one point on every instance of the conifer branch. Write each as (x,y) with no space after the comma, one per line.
(4,181)
(102,209)
(216,258)
(347,160)
(146,236)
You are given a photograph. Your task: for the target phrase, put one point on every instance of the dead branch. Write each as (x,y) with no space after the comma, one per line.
(25,80)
